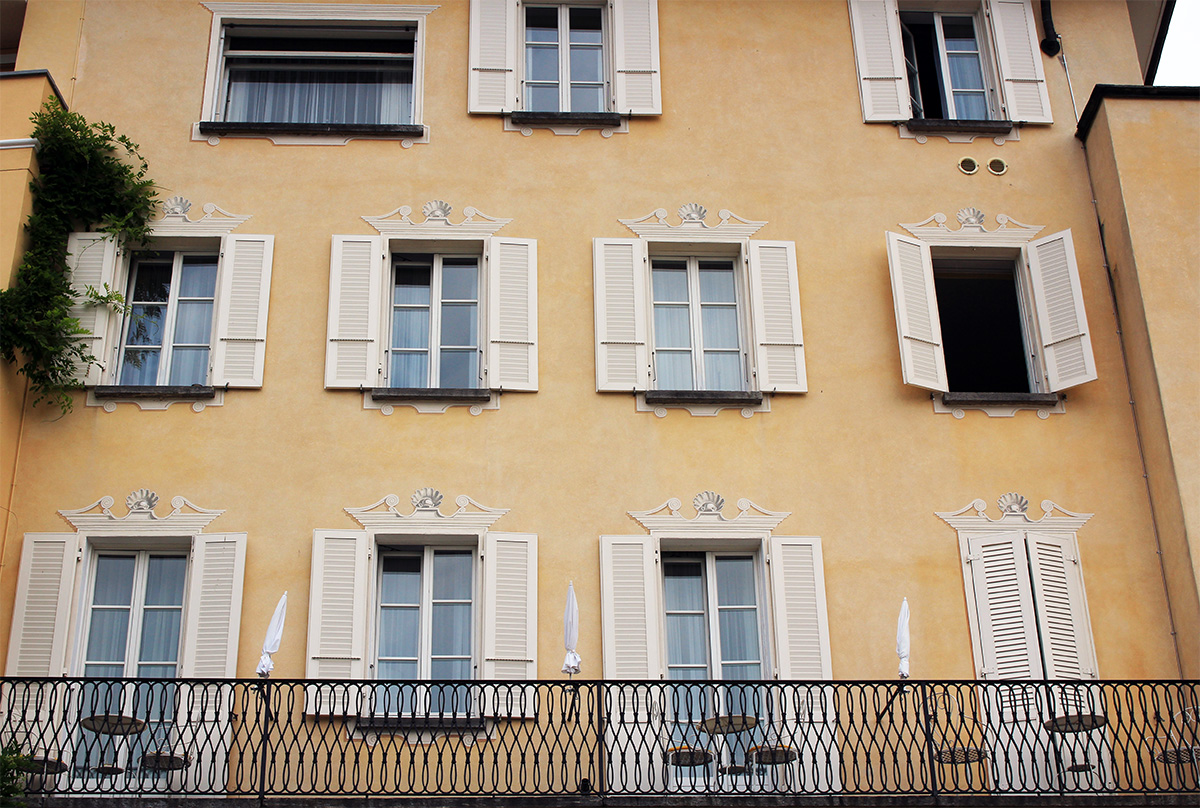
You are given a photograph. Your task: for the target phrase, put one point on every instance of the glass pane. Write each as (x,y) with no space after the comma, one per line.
(108,634)
(409,370)
(723,371)
(450,699)
(140,367)
(412,286)
(114,581)
(199,276)
(742,673)
(452,575)
(189,366)
(670,285)
(193,323)
(673,370)
(460,324)
(542,99)
(459,369)
(965,72)
(104,672)
(399,628)
(585,25)
(959,33)
(720,324)
(587,64)
(541,24)
(739,634)
(683,586)
(288,90)
(971,106)
(687,641)
(451,669)
(401,579)
(410,328)
(541,63)
(152,284)
(164,580)
(716,284)
(160,635)
(145,325)
(158,672)
(735,581)
(451,629)
(404,671)
(587,98)
(460,279)
(672,327)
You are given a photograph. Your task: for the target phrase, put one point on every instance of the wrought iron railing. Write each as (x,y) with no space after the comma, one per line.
(269,737)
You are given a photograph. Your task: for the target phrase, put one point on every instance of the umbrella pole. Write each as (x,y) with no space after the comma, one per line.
(264,696)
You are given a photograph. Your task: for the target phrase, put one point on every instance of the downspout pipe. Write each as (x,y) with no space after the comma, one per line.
(1050,43)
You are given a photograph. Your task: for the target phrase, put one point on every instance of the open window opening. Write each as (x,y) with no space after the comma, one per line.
(945,64)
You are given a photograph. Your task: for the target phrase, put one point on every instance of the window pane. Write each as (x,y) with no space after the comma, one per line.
(673,370)
(965,72)
(672,327)
(404,671)
(587,64)
(108,635)
(398,631)
(541,63)
(585,25)
(401,579)
(459,369)
(683,586)
(189,366)
(164,580)
(687,640)
(723,371)
(409,370)
(670,285)
(198,276)
(114,581)
(542,99)
(451,629)
(160,635)
(541,24)
(452,575)
(720,324)
(460,279)
(959,33)
(460,324)
(971,106)
(587,99)
(152,284)
(145,325)
(412,285)
(287,90)
(410,328)
(157,672)
(140,367)
(739,634)
(741,673)
(716,283)
(105,672)
(193,323)
(735,581)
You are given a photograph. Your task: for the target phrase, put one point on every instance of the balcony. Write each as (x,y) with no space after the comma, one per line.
(581,743)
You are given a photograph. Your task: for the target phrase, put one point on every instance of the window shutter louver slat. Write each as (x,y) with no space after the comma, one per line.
(40,622)
(214,606)
(629,604)
(622,358)
(917,322)
(355,286)
(778,332)
(1023,81)
(801,622)
(92,259)
(512,315)
(492,78)
(510,608)
(337,618)
(883,85)
(998,577)
(243,301)
(1061,607)
(636,73)
(1058,298)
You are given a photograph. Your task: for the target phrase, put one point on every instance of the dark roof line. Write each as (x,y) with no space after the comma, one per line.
(1103,91)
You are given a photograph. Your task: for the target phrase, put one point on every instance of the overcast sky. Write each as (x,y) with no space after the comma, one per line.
(1180,63)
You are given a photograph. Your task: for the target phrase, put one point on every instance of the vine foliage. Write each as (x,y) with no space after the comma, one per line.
(90,178)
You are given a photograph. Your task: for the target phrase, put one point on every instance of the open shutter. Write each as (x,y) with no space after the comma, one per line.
(879,55)
(921,357)
(775,293)
(509,606)
(352,354)
(92,259)
(997,576)
(1022,80)
(1061,608)
(1062,321)
(801,621)
(492,49)
(242,301)
(637,80)
(41,612)
(214,606)
(629,606)
(338,611)
(622,358)
(512,361)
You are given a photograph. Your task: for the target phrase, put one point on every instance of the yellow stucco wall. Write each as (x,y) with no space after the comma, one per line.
(761,116)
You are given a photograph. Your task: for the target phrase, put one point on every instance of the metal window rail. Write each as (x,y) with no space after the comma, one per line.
(285,737)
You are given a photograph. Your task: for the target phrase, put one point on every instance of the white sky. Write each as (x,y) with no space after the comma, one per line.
(1180,63)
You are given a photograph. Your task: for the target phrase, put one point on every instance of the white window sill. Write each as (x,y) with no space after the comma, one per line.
(999,405)
(200,397)
(920,130)
(567,123)
(431,401)
(702,403)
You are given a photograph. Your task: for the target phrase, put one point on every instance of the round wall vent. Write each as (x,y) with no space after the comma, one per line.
(997,166)
(968,165)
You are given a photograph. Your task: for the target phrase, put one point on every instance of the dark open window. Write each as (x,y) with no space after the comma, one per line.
(983,332)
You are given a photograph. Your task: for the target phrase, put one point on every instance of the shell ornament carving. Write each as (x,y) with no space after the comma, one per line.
(692,212)
(141,500)
(426,499)
(177,205)
(436,209)
(970,216)
(708,502)
(1013,503)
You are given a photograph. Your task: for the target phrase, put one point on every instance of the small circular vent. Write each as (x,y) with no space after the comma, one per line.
(968,165)
(997,166)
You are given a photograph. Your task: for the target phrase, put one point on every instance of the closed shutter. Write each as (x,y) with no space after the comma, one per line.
(92,260)
(883,85)
(512,361)
(1061,608)
(775,293)
(242,301)
(338,612)
(920,331)
(997,576)
(214,606)
(509,606)
(1058,298)
(352,354)
(630,608)
(622,358)
(1023,82)
(801,621)
(492,79)
(37,645)
(637,86)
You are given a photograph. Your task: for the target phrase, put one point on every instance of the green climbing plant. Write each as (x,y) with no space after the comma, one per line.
(11,778)
(90,178)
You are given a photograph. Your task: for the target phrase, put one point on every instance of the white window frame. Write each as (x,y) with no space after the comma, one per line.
(564,53)
(986,63)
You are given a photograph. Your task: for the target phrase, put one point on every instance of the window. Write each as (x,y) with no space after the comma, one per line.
(565,59)
(949,61)
(697,344)
(434,322)
(197,316)
(998,321)
(712,617)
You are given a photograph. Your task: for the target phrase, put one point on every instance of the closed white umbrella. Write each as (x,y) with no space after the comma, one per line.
(274,637)
(902,639)
(571,632)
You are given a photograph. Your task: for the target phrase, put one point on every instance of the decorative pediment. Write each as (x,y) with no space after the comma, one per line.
(175,221)
(1013,514)
(426,517)
(709,519)
(436,223)
(692,226)
(971,232)
(141,520)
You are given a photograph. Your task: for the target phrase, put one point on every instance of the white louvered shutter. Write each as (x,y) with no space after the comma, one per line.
(801,620)
(1023,82)
(352,353)
(512,361)
(509,606)
(1062,321)
(920,331)
(997,574)
(637,79)
(630,609)
(775,295)
(879,55)
(338,611)
(622,356)
(1061,607)
(214,606)
(242,301)
(92,260)
(492,49)
(37,645)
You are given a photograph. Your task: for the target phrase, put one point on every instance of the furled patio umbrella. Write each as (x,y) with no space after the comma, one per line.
(571,632)
(274,637)
(902,639)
